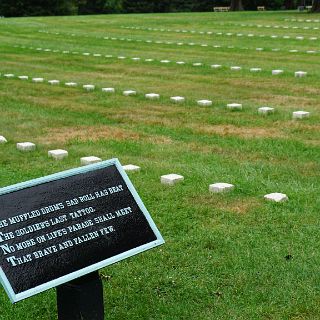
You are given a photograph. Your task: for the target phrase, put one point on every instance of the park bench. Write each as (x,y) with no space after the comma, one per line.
(309,8)
(301,8)
(221,9)
(261,8)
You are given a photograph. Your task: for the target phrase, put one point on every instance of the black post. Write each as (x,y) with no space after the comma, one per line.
(81,299)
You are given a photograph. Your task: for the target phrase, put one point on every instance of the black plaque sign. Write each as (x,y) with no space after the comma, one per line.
(60,227)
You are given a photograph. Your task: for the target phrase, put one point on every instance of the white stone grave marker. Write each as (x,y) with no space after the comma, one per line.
(131,168)
(177,99)
(58,154)
(89,160)
(108,90)
(300,114)
(129,93)
(26,146)
(53,82)
(234,106)
(37,80)
(71,84)
(220,187)
(171,179)
(277,72)
(88,87)
(276,197)
(300,74)
(204,103)
(3,139)
(265,110)
(152,96)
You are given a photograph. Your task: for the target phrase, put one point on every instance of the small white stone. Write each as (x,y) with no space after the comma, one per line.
(3,139)
(300,114)
(131,168)
(86,54)
(216,66)
(108,90)
(180,62)
(235,68)
(37,80)
(88,87)
(152,96)
(149,60)
(220,187)
(234,106)
(58,154)
(300,74)
(255,70)
(71,84)
(23,77)
(276,197)
(171,179)
(276,72)
(165,61)
(259,49)
(97,55)
(135,59)
(265,110)
(197,64)
(204,103)
(89,160)
(26,146)
(129,93)
(121,57)
(177,99)
(8,75)
(54,82)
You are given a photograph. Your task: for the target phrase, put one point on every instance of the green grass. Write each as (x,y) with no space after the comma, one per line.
(225,255)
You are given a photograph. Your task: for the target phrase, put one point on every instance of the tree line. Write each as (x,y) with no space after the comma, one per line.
(9,8)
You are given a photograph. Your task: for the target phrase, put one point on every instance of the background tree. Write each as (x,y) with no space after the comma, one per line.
(236,5)
(289,4)
(316,6)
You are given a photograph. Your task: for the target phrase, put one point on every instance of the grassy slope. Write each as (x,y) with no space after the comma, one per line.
(225,254)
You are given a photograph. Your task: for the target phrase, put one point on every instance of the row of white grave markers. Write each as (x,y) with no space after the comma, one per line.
(302,20)
(149,41)
(60,154)
(274,26)
(155,96)
(297,74)
(211,33)
(219,187)
(169,179)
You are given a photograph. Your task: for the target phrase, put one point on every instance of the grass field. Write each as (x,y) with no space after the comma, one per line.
(227,256)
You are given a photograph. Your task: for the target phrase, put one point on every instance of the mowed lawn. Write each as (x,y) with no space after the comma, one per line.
(227,256)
